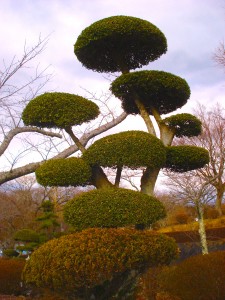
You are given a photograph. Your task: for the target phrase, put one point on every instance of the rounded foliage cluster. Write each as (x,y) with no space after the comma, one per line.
(119,43)
(10,276)
(132,149)
(63,172)
(112,208)
(26,235)
(94,256)
(198,277)
(160,90)
(186,158)
(184,125)
(59,110)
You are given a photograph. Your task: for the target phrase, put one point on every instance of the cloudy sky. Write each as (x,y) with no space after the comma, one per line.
(193,28)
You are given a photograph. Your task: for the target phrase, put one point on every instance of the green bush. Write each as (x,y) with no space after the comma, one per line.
(94,256)
(132,149)
(119,43)
(184,125)
(10,253)
(156,89)
(59,110)
(186,158)
(112,208)
(10,276)
(26,235)
(198,277)
(64,172)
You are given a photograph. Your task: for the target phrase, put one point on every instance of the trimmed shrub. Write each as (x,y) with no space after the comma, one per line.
(10,276)
(59,110)
(184,125)
(26,235)
(198,277)
(94,256)
(112,208)
(10,253)
(186,158)
(119,43)
(64,172)
(156,89)
(132,149)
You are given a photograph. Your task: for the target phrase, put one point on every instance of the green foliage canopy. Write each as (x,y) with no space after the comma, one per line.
(64,172)
(184,125)
(132,149)
(155,89)
(26,235)
(59,110)
(94,256)
(119,43)
(186,158)
(112,208)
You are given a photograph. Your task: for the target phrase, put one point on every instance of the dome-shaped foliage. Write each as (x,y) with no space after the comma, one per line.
(94,256)
(186,158)
(59,110)
(184,125)
(119,43)
(132,149)
(26,235)
(161,90)
(112,208)
(63,172)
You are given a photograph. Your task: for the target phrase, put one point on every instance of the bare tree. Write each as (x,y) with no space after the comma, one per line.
(18,141)
(219,55)
(213,139)
(193,190)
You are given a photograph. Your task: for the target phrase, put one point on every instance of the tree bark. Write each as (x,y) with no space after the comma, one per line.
(219,198)
(201,230)
(148,180)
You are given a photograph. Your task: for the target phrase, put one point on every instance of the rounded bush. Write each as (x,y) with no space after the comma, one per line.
(112,208)
(59,110)
(26,235)
(198,277)
(132,149)
(10,253)
(184,125)
(95,256)
(64,172)
(186,158)
(10,276)
(119,43)
(155,89)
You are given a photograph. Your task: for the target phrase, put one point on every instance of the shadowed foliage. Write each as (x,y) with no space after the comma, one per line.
(59,110)
(112,208)
(186,158)
(64,172)
(155,89)
(132,149)
(119,43)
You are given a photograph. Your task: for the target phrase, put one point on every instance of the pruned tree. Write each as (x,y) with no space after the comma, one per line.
(115,44)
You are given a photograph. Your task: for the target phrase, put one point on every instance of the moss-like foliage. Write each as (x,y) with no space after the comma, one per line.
(59,110)
(64,172)
(186,158)
(112,208)
(94,256)
(26,235)
(132,149)
(184,125)
(161,90)
(119,43)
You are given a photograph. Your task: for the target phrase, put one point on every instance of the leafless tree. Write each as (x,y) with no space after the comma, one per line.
(213,139)
(19,142)
(219,55)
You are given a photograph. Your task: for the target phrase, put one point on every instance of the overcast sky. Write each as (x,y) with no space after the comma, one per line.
(193,28)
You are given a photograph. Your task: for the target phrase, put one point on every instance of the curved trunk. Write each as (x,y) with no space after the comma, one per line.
(99,179)
(148,180)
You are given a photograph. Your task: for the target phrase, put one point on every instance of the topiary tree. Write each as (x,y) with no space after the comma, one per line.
(115,44)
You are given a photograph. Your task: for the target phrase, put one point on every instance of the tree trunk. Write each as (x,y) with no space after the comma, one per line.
(201,230)
(148,180)
(219,199)
(99,179)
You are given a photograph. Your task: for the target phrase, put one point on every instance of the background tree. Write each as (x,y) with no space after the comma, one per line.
(114,44)
(212,138)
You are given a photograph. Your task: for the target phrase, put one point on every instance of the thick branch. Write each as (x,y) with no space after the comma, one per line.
(12,133)
(145,116)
